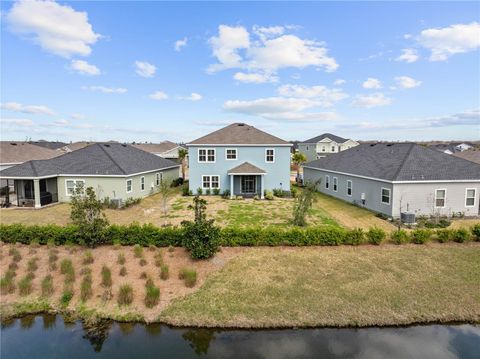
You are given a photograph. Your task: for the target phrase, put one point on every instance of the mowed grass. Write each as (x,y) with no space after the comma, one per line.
(338,286)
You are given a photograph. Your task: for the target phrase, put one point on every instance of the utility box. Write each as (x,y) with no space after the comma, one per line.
(407,217)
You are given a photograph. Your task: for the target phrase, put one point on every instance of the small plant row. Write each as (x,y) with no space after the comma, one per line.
(147,234)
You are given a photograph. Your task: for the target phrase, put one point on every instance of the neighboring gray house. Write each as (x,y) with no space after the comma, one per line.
(241,159)
(401,177)
(165,149)
(114,170)
(324,145)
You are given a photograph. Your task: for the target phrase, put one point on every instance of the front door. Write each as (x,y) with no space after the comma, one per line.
(248,184)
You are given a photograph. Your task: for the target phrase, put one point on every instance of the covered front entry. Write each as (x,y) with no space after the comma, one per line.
(246,180)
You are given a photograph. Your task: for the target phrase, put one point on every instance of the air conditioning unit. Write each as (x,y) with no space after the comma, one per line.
(117,202)
(407,217)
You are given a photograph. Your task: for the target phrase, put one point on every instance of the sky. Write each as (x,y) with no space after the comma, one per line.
(154,71)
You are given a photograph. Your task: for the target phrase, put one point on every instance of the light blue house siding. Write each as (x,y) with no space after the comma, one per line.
(277,174)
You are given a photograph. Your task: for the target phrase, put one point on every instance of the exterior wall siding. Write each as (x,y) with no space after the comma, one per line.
(371,188)
(309,150)
(277,173)
(116,187)
(420,198)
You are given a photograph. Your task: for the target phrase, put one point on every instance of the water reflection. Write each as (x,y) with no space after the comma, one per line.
(50,336)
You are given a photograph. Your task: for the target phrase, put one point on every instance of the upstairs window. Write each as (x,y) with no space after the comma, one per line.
(470,197)
(440,195)
(231,153)
(385,195)
(206,155)
(327,182)
(333,148)
(349,188)
(72,186)
(323,148)
(270,155)
(335,184)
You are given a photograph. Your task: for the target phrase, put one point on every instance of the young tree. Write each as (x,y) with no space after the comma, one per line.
(87,214)
(182,156)
(299,159)
(303,202)
(166,193)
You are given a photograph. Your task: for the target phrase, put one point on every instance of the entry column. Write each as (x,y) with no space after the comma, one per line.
(36,193)
(262,187)
(231,186)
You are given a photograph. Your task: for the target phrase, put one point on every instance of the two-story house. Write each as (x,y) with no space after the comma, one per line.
(239,159)
(323,145)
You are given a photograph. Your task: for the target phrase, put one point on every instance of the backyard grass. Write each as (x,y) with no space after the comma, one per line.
(337,286)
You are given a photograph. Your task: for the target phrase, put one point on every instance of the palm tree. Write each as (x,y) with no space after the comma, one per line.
(299,159)
(182,155)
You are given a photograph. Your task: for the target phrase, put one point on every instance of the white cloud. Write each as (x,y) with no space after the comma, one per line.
(61,122)
(407,82)
(145,69)
(269,51)
(408,55)
(193,97)
(339,82)
(179,44)
(159,96)
(77,116)
(24,122)
(448,41)
(255,77)
(105,89)
(84,67)
(322,95)
(373,100)
(58,29)
(372,83)
(35,109)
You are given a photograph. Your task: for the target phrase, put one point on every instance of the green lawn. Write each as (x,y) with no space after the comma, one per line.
(339,286)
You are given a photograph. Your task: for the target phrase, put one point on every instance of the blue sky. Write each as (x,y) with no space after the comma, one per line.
(150,71)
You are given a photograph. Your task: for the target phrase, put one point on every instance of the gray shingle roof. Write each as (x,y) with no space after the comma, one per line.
(333,137)
(239,134)
(96,159)
(399,162)
(246,167)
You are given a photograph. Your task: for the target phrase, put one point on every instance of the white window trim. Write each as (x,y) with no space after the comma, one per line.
(327,181)
(474,197)
(158,178)
(142,183)
(131,185)
(231,159)
(210,182)
(206,155)
(351,188)
(74,188)
(269,149)
(444,198)
(335,184)
(389,195)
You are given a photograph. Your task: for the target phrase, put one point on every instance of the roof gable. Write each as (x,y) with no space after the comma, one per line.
(332,137)
(239,134)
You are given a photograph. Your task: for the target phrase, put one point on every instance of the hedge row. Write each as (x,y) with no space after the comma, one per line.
(148,234)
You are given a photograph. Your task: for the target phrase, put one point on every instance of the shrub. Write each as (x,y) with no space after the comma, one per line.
(400,236)
(208,191)
(143,275)
(158,259)
(143,262)
(66,268)
(189,276)
(375,235)
(355,237)
(123,271)
(152,248)
(47,286)
(216,191)
(85,271)
(121,259)
(303,203)
(138,251)
(199,191)
(52,260)
(7,285)
(86,288)
(152,295)
(226,194)
(25,286)
(106,277)
(15,253)
(268,195)
(278,192)
(131,202)
(32,264)
(420,236)
(444,235)
(87,258)
(125,295)
(66,297)
(13,266)
(461,235)
(185,190)
(164,272)
(476,231)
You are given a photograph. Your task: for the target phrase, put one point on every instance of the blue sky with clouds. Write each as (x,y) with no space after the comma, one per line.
(149,71)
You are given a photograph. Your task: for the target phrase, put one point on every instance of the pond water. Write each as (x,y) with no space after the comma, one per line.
(48,336)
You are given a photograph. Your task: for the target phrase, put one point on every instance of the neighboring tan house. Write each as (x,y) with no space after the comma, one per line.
(240,159)
(469,155)
(324,145)
(114,170)
(401,177)
(53,145)
(165,149)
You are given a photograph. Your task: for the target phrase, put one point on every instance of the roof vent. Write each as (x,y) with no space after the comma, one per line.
(106,145)
(124,145)
(389,144)
(372,144)
(13,143)
(241,124)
